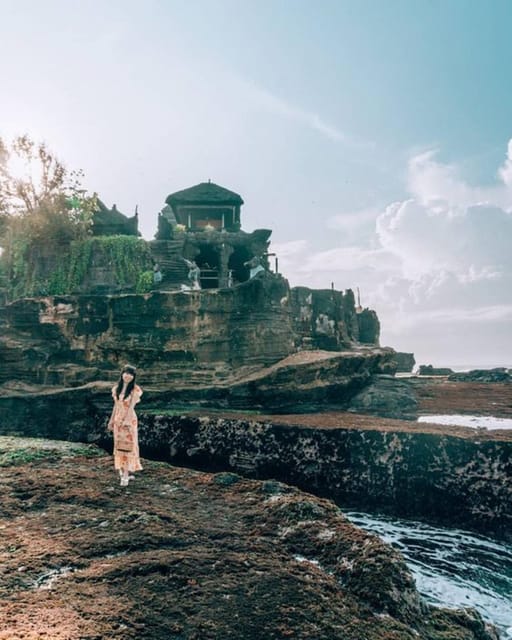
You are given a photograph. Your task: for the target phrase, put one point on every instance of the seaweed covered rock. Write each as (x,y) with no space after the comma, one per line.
(195,556)
(500,374)
(388,397)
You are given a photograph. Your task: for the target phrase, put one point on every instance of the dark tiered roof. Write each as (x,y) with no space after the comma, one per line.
(205,193)
(112,222)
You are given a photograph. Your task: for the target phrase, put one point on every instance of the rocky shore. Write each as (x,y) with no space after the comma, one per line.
(455,476)
(187,555)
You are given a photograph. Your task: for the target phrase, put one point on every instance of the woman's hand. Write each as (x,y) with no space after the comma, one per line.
(110,425)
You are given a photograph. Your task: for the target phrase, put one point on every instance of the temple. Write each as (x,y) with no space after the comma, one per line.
(200,243)
(206,205)
(111,222)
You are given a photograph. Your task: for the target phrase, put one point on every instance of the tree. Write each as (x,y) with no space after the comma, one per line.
(43,208)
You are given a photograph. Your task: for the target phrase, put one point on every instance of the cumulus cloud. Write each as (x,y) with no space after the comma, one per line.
(439,260)
(505,171)
(472,242)
(440,187)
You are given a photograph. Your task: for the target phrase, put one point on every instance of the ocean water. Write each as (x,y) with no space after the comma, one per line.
(452,568)
(476,422)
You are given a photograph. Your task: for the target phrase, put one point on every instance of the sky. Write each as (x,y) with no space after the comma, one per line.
(373,137)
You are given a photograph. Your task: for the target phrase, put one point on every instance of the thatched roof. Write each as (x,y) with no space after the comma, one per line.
(205,193)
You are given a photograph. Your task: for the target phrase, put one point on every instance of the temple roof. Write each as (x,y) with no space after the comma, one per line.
(112,222)
(205,193)
(109,215)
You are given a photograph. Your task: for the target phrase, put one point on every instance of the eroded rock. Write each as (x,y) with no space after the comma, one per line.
(388,397)
(499,374)
(183,554)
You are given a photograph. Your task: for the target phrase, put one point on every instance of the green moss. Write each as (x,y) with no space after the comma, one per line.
(23,456)
(144,282)
(19,451)
(226,479)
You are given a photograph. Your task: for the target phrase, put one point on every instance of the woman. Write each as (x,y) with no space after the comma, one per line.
(123,422)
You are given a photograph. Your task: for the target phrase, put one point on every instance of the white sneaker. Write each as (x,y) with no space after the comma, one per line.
(124,481)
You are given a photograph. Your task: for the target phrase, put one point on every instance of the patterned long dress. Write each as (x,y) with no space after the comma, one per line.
(126,439)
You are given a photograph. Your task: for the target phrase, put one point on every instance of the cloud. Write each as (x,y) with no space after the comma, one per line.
(439,186)
(348,259)
(289,249)
(458,316)
(471,242)
(505,172)
(438,263)
(353,220)
(276,105)
(266,100)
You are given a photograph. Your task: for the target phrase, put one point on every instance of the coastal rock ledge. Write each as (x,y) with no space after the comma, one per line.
(185,555)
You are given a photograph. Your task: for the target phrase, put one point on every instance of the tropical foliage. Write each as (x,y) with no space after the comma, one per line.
(46,246)
(43,210)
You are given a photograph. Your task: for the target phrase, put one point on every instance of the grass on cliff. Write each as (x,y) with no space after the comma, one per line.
(18,451)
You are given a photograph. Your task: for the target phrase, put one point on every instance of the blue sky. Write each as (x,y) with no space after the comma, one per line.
(371,136)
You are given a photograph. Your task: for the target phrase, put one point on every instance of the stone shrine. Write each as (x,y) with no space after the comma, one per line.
(201,226)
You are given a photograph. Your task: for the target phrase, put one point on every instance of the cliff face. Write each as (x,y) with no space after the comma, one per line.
(193,338)
(327,319)
(69,340)
(193,556)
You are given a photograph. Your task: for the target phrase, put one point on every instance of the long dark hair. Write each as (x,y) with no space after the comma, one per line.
(129,388)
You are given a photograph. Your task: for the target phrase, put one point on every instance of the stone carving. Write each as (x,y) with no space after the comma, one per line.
(194,273)
(255,266)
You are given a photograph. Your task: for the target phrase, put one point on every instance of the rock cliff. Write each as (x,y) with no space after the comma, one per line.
(258,344)
(70,340)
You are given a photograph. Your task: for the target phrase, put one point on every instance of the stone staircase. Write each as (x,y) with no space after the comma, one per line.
(168,255)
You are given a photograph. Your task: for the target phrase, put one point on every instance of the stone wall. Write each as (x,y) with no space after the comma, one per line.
(369,326)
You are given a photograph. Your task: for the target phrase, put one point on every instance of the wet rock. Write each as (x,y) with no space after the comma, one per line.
(404,362)
(310,380)
(482,375)
(180,554)
(456,477)
(453,475)
(429,370)
(388,397)
(198,338)
(443,396)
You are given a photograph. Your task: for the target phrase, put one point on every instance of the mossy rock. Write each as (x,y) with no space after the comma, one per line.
(16,451)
